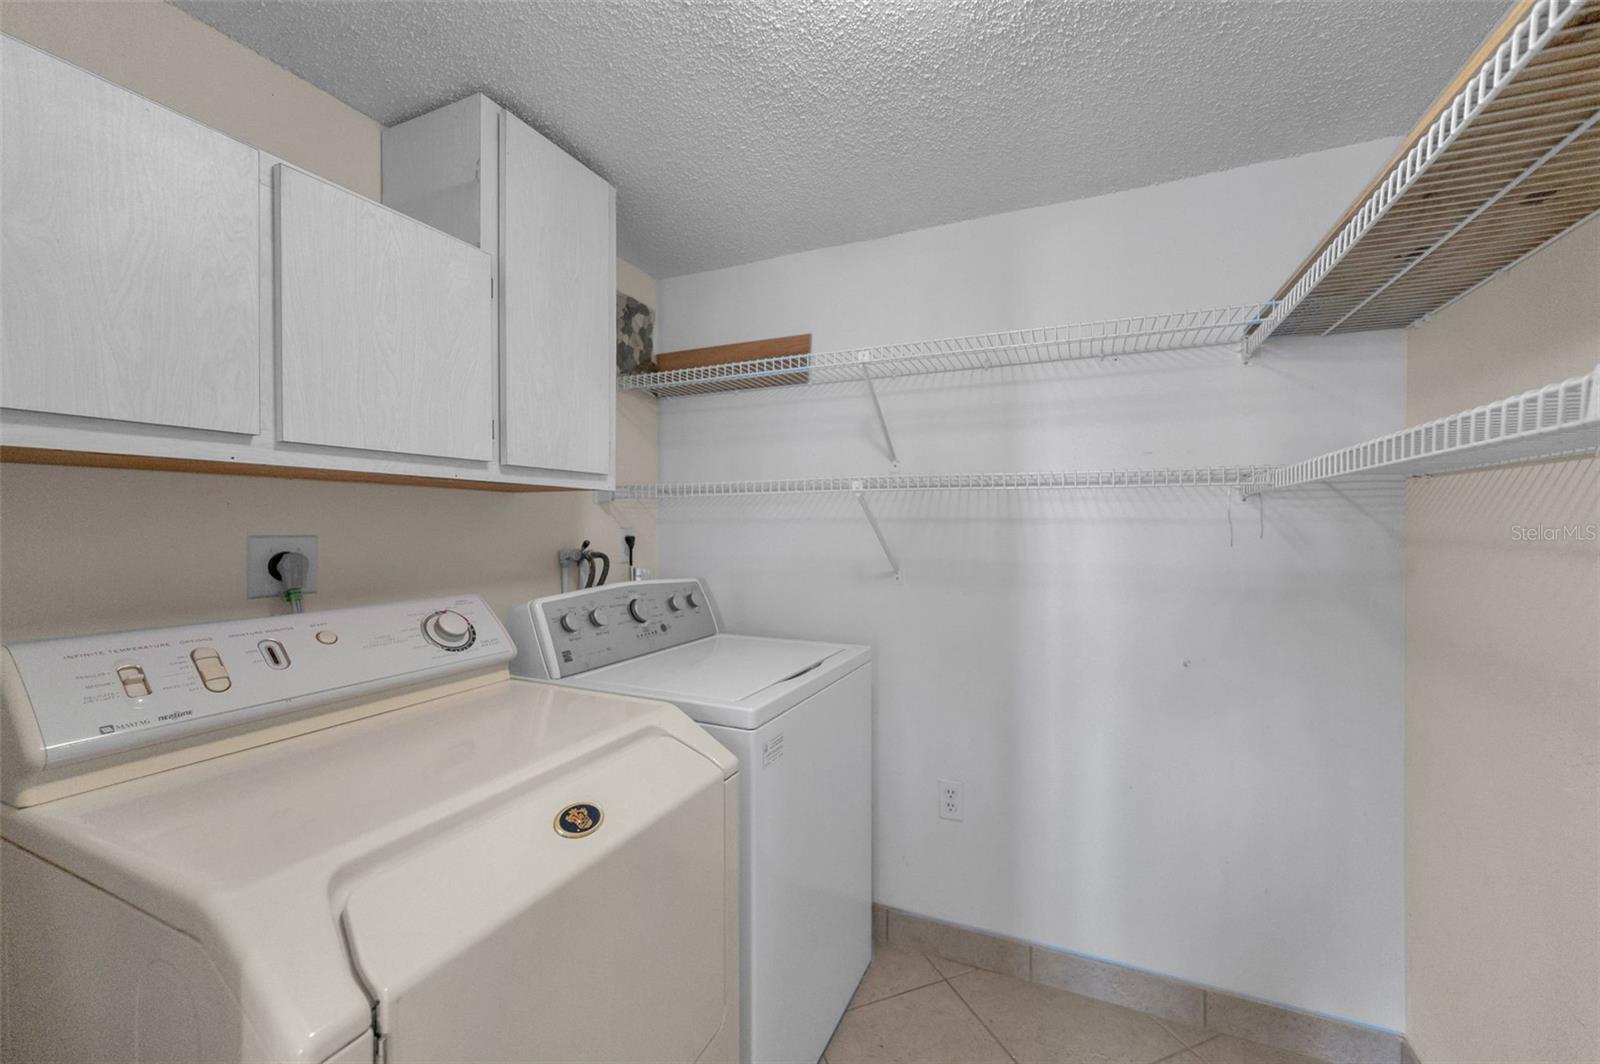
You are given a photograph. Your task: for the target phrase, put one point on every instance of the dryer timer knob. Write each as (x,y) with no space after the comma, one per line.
(448,630)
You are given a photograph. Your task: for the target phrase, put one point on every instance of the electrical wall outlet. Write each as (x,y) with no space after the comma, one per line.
(952,800)
(258,551)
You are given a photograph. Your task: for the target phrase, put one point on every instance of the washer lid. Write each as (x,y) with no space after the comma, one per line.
(738,681)
(723,668)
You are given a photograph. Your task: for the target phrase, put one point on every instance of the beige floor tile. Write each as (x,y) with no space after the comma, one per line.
(1226,1049)
(927,1026)
(1042,1025)
(947,967)
(894,970)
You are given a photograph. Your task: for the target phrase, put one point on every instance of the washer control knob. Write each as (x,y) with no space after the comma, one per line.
(569,622)
(674,603)
(694,600)
(597,617)
(636,609)
(448,630)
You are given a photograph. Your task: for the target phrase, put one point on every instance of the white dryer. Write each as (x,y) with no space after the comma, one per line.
(799,717)
(351,836)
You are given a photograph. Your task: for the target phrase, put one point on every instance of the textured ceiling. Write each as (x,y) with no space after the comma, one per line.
(735,130)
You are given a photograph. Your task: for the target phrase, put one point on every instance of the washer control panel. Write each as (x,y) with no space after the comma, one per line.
(101,694)
(583,630)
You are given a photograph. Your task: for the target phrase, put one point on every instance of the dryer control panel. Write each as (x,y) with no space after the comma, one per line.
(563,635)
(91,696)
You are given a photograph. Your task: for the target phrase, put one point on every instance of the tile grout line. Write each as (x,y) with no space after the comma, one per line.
(1207,1033)
(898,993)
(1172,1056)
(1003,1047)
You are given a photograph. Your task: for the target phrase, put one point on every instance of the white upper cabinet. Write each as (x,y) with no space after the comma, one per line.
(558,269)
(385,328)
(130,247)
(484,176)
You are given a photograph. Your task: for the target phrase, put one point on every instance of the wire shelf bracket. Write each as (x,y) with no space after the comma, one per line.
(877,530)
(877,408)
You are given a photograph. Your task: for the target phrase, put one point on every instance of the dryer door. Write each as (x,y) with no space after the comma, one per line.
(504,940)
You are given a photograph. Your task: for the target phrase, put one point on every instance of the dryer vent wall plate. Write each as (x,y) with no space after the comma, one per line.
(259,552)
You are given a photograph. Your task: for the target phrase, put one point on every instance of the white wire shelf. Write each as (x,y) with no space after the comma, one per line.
(1235,479)
(1555,421)
(1200,477)
(1502,168)
(1114,337)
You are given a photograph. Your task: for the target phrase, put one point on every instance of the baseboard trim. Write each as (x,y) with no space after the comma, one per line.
(1168,999)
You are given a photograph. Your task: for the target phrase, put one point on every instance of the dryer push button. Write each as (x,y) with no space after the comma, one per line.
(213,673)
(134,683)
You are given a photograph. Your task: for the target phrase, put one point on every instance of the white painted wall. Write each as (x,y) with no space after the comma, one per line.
(1178,753)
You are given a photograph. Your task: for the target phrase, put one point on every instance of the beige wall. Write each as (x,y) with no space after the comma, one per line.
(180,62)
(1503,693)
(93,549)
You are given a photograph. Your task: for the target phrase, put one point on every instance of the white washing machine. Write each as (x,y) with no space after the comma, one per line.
(351,836)
(799,717)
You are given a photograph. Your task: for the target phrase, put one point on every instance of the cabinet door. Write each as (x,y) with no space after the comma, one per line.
(558,341)
(131,243)
(385,338)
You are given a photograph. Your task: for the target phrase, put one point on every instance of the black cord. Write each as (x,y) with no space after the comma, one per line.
(587,555)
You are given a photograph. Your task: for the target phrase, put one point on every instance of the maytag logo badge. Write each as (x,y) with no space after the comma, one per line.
(578,820)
